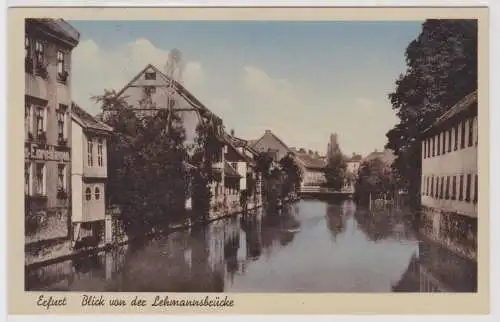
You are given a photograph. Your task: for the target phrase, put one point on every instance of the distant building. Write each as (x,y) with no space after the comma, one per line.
(312,168)
(271,144)
(353,164)
(48,44)
(449,183)
(88,173)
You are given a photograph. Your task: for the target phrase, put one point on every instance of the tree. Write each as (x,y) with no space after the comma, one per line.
(441,69)
(292,173)
(207,149)
(375,177)
(335,171)
(143,161)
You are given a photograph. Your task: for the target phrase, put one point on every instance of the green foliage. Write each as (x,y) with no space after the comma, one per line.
(441,70)
(375,177)
(292,175)
(335,171)
(143,167)
(207,150)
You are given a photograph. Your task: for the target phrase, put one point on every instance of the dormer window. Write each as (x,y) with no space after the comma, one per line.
(150,76)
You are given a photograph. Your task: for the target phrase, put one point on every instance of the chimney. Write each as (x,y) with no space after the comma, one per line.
(232,132)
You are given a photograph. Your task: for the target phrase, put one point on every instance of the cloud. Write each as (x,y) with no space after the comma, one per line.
(248,97)
(96,69)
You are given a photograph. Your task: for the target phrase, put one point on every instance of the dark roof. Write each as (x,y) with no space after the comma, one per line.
(464,105)
(229,171)
(240,143)
(269,134)
(58,27)
(311,161)
(86,120)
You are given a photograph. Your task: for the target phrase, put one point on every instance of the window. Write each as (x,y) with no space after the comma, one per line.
(456,137)
(27,173)
(27,119)
(40,178)
(447,195)
(471,131)
(438,139)
(433,146)
(428,183)
(449,140)
(468,187)
(425,149)
(40,120)
(234,165)
(61,176)
(477,129)
(428,147)
(97,193)
(39,52)
(88,194)
(148,90)
(441,192)
(454,188)
(27,47)
(90,153)
(436,195)
(99,153)
(475,189)
(444,142)
(60,63)
(462,136)
(61,115)
(150,76)
(461,187)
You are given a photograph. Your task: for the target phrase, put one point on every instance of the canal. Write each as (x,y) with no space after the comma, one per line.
(312,246)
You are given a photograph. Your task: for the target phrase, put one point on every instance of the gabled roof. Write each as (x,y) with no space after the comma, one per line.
(228,139)
(179,88)
(464,105)
(86,120)
(270,134)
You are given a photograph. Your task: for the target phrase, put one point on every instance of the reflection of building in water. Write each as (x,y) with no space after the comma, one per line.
(449,183)
(436,269)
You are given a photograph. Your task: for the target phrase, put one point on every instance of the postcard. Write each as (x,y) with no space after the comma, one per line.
(248,160)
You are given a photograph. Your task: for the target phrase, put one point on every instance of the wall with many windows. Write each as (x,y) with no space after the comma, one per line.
(449,168)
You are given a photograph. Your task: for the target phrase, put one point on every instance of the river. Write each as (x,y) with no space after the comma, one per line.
(312,246)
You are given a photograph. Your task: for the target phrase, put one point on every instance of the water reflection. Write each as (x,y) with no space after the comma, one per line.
(312,246)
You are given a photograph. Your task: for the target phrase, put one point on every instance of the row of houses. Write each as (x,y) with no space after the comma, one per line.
(66,153)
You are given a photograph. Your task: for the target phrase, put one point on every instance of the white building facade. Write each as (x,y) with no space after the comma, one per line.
(449,182)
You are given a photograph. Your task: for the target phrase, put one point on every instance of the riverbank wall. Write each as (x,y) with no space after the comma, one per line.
(456,232)
(63,249)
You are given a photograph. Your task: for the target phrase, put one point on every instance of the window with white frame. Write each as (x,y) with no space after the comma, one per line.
(61,177)
(61,120)
(40,120)
(88,194)
(100,158)
(39,52)
(90,153)
(40,179)
(97,193)
(27,178)
(27,118)
(60,63)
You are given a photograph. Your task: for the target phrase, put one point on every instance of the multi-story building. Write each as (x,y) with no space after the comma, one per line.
(449,189)
(48,47)
(88,174)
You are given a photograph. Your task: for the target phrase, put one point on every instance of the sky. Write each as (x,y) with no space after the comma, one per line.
(301,80)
